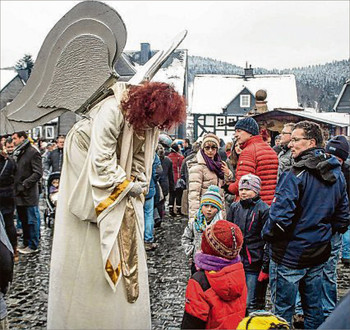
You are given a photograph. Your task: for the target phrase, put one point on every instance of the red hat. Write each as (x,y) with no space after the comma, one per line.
(222,239)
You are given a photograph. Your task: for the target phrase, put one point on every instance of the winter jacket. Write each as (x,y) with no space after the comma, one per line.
(27,177)
(54,159)
(7,170)
(346,171)
(6,258)
(200,178)
(156,171)
(177,159)
(285,160)
(258,158)
(216,300)
(166,178)
(310,202)
(250,216)
(184,168)
(191,239)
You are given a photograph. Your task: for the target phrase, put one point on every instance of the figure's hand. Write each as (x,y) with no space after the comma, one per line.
(263,277)
(137,188)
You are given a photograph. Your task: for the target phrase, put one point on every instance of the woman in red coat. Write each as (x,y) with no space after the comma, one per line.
(176,194)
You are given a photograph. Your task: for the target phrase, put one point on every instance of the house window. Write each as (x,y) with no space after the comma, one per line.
(220,121)
(49,132)
(231,120)
(245,101)
(37,132)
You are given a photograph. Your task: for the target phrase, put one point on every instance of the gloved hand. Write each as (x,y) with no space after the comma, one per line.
(263,276)
(225,188)
(137,188)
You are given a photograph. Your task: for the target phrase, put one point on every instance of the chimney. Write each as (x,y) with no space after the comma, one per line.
(145,52)
(23,74)
(248,72)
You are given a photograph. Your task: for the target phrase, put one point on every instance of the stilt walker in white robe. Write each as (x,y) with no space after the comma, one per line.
(98,274)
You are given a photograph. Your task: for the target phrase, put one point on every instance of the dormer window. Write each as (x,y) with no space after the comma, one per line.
(245,101)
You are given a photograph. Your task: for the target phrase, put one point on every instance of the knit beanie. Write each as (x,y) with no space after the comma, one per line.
(338,146)
(249,125)
(211,137)
(175,147)
(251,182)
(212,197)
(165,140)
(222,239)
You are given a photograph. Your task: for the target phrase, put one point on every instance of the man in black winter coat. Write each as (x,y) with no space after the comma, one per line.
(7,200)
(54,159)
(27,177)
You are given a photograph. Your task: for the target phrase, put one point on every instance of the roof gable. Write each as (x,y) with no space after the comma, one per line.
(212,93)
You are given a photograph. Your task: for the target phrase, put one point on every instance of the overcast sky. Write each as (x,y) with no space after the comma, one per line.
(269,34)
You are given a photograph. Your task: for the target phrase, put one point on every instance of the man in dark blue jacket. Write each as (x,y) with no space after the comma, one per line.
(310,203)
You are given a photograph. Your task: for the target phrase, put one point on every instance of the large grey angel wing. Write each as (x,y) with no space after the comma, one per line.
(75,60)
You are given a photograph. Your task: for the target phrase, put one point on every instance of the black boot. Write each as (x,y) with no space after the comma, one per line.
(178,211)
(171,211)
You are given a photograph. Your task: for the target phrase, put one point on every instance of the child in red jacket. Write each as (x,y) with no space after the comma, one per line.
(216,294)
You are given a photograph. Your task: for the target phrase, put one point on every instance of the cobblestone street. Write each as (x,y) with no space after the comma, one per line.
(168,275)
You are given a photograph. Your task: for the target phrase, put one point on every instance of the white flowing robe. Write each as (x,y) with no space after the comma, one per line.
(81,294)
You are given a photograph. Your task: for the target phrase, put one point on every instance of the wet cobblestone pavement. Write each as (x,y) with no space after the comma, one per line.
(168,275)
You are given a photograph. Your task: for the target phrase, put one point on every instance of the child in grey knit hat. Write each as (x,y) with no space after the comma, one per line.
(250,214)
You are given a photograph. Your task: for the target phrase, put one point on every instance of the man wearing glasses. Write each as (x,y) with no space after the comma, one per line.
(285,159)
(310,203)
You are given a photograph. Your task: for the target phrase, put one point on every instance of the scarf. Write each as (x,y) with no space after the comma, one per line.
(209,262)
(200,223)
(20,149)
(214,165)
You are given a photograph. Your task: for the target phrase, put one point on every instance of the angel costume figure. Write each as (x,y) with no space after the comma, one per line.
(98,275)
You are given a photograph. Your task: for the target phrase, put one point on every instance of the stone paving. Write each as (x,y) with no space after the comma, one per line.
(168,276)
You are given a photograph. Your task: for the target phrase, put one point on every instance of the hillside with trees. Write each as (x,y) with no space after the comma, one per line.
(317,85)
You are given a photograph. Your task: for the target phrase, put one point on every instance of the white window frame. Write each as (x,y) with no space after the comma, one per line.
(220,121)
(245,101)
(37,132)
(49,135)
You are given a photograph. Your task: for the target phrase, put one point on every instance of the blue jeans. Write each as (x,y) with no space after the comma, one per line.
(256,292)
(37,215)
(346,245)
(28,216)
(148,210)
(284,285)
(18,221)
(329,281)
(252,281)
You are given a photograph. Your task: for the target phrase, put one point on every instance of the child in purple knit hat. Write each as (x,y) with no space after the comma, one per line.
(250,214)
(216,294)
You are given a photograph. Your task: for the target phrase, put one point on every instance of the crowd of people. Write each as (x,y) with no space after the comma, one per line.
(258,217)
(290,203)
(22,164)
